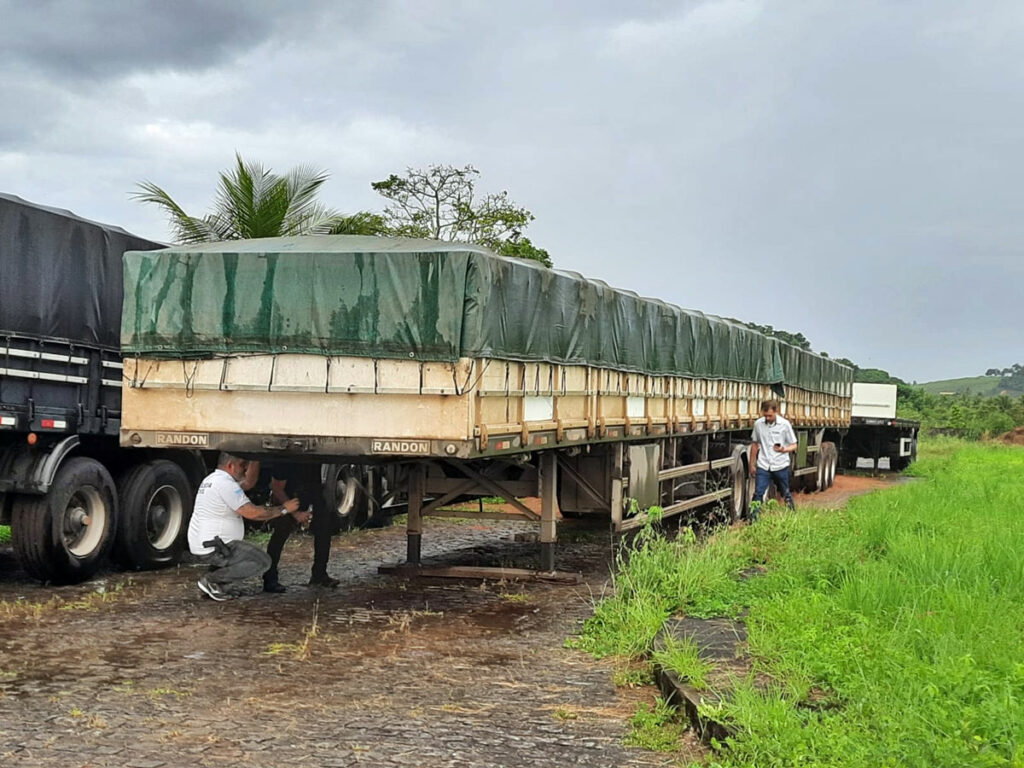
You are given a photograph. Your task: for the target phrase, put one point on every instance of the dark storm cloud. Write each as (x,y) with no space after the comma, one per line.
(106,38)
(849,170)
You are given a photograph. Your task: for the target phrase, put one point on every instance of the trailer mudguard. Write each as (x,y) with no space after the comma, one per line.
(31,469)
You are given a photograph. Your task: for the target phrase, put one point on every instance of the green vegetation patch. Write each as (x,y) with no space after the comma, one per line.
(680,655)
(5,534)
(893,629)
(656,728)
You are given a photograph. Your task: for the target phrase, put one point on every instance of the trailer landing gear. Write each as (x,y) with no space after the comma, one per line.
(464,479)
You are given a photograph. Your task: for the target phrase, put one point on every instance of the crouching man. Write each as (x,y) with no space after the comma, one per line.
(216,531)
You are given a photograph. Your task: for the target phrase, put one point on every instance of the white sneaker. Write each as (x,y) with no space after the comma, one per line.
(212,591)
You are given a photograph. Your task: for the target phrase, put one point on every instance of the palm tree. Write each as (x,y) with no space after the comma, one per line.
(252,202)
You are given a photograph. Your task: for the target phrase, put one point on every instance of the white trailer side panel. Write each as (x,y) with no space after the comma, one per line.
(874,401)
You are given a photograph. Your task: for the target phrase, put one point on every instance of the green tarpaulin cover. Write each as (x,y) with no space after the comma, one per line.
(430,301)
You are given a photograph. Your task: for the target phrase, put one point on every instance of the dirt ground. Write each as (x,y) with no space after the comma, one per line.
(1013,437)
(139,670)
(846,487)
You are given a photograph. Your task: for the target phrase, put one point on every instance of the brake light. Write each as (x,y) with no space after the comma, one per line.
(53,424)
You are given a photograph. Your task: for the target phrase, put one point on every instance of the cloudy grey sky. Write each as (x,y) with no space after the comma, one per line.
(850,170)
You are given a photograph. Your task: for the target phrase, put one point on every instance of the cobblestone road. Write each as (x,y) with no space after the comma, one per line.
(138,670)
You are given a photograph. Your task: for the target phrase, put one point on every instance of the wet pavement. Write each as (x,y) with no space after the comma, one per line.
(139,670)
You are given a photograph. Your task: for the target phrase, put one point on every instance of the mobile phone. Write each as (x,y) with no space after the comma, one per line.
(777,446)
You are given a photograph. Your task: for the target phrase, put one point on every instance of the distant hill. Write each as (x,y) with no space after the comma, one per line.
(972,385)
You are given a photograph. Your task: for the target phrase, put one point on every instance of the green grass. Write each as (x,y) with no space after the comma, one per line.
(5,534)
(893,629)
(681,657)
(258,536)
(656,728)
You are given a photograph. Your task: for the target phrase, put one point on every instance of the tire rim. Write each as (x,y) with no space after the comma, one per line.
(822,472)
(165,514)
(346,490)
(832,461)
(85,520)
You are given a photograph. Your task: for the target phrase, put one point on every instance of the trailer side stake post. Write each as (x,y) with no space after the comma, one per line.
(414,524)
(548,524)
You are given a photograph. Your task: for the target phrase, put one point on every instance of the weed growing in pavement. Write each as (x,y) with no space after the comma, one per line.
(92,601)
(299,651)
(656,728)
(159,692)
(514,597)
(633,676)
(681,656)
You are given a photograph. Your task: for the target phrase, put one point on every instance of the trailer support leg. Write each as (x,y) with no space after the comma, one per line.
(548,523)
(414,525)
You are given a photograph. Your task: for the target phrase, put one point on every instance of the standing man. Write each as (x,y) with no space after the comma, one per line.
(216,531)
(773,440)
(288,479)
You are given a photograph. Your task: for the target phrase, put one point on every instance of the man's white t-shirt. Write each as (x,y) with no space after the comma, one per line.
(767,435)
(216,512)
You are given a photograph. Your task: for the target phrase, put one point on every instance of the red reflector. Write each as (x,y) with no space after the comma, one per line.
(46,423)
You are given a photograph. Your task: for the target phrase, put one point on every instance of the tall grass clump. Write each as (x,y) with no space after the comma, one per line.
(654,577)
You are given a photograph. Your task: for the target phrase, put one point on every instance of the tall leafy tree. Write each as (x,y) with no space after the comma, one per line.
(252,201)
(442,202)
(361,223)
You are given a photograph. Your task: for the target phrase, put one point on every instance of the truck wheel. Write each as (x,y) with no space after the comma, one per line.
(345,496)
(156,504)
(64,536)
(740,500)
(816,482)
(830,460)
(827,458)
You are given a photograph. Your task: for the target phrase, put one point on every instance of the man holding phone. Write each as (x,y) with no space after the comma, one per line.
(773,440)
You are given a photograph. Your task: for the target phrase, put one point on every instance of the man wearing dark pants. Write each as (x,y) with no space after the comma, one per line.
(300,480)
(216,530)
(773,440)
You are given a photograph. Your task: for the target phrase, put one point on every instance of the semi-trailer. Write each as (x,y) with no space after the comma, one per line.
(71,494)
(438,371)
(876,432)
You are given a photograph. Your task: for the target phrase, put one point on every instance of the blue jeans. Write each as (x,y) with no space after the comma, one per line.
(780,478)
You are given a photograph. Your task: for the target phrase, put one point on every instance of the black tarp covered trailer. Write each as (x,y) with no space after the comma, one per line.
(70,492)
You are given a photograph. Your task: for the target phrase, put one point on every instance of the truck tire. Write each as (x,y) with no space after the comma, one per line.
(155,506)
(343,489)
(739,502)
(829,461)
(64,536)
